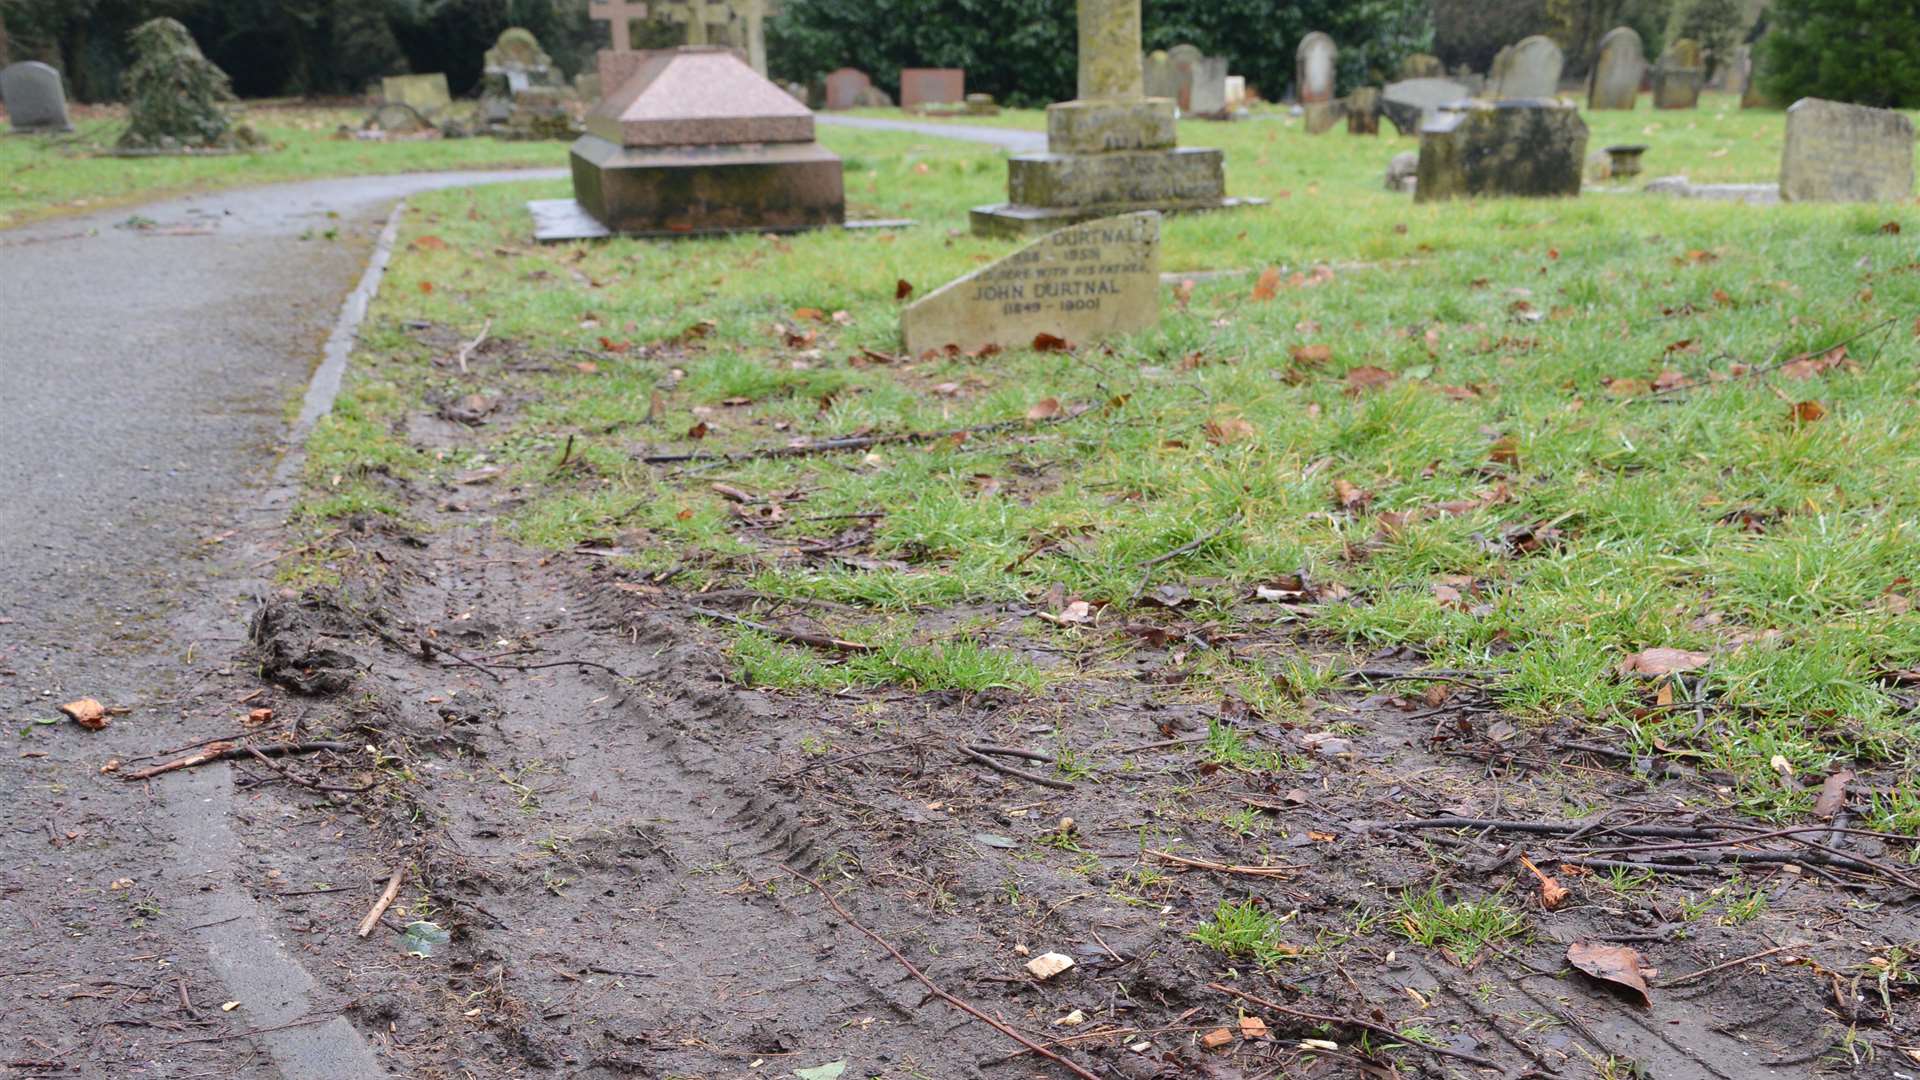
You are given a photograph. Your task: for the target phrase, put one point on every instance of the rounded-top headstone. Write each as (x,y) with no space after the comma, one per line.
(34,97)
(1615,83)
(1313,63)
(1530,68)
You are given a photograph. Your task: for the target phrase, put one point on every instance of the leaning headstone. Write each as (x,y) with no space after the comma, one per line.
(426,94)
(932,86)
(1204,92)
(1846,153)
(844,88)
(1078,285)
(694,141)
(1615,81)
(1313,68)
(397,118)
(175,95)
(1506,148)
(1497,70)
(35,100)
(1422,66)
(1409,102)
(1363,111)
(1159,77)
(1678,76)
(1111,150)
(1532,70)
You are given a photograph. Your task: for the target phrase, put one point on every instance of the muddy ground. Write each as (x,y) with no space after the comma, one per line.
(618,836)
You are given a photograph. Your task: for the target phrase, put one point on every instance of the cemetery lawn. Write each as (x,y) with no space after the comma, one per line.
(1530,510)
(49,177)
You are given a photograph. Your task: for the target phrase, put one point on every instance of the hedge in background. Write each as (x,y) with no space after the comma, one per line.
(1863,51)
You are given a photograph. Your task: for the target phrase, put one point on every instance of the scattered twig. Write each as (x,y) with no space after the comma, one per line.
(386,900)
(467,350)
(1346,1021)
(1777,363)
(1011,751)
(257,1031)
(1190,546)
(1469,678)
(790,637)
(1705,971)
(860,442)
(226,751)
(566,454)
(935,989)
(558,663)
(1018,774)
(1280,870)
(313,784)
(428,647)
(1548,828)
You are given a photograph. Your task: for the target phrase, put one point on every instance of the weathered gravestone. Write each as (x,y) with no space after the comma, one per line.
(524,96)
(1615,81)
(35,100)
(1678,76)
(1202,88)
(1403,172)
(1323,116)
(426,94)
(982,105)
(1363,111)
(695,141)
(1159,77)
(845,87)
(1313,68)
(932,86)
(1078,285)
(1753,93)
(1409,102)
(1111,150)
(1422,66)
(1237,93)
(1846,153)
(1503,148)
(175,95)
(397,118)
(1530,69)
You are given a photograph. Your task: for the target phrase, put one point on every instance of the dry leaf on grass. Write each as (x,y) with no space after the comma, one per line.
(1657,662)
(1228,429)
(1616,965)
(1268,286)
(1045,409)
(1367,377)
(1833,795)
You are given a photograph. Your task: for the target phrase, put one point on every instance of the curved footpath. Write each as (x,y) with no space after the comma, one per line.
(147,359)
(1013,139)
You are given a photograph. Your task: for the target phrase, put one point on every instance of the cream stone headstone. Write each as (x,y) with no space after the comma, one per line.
(1079,284)
(1615,82)
(1846,153)
(1313,66)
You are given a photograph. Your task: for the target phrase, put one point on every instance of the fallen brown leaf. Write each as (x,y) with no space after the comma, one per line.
(1050,343)
(1349,496)
(86,712)
(1045,409)
(1552,893)
(1658,662)
(1228,429)
(1268,286)
(1833,795)
(1617,965)
(1367,377)
(1806,412)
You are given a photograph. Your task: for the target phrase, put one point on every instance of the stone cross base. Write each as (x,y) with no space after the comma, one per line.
(1105,158)
(698,190)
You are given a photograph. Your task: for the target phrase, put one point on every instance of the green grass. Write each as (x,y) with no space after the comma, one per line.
(1462,928)
(1244,930)
(45,177)
(1516,458)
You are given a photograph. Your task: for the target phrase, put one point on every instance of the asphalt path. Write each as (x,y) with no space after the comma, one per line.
(1013,139)
(150,361)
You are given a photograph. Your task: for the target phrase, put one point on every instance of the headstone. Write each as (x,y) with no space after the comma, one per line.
(1079,284)
(1729,71)
(1409,102)
(694,141)
(1678,76)
(1322,116)
(175,95)
(1497,70)
(1236,93)
(982,105)
(1159,77)
(1422,66)
(1469,78)
(1615,82)
(1403,171)
(1532,70)
(932,86)
(1506,148)
(427,94)
(1313,67)
(1846,153)
(1753,94)
(1363,111)
(517,55)
(1111,150)
(35,100)
(873,97)
(1202,86)
(619,14)
(397,118)
(844,88)
(524,95)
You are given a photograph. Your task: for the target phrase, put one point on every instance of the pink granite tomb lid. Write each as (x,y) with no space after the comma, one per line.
(695,96)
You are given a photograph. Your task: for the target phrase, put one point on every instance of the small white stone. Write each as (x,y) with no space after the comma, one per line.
(1047,965)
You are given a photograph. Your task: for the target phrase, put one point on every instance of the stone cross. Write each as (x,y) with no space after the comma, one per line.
(697,15)
(620,13)
(1110,51)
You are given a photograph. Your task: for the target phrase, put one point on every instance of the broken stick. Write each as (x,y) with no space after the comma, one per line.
(386,900)
(226,751)
(1003,1029)
(1018,774)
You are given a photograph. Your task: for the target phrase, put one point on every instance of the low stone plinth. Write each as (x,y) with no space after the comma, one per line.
(691,190)
(1509,148)
(1166,178)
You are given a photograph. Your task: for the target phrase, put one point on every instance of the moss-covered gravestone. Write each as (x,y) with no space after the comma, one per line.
(1507,148)
(176,96)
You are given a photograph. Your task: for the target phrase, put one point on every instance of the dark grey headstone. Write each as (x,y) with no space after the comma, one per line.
(1509,148)
(34,97)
